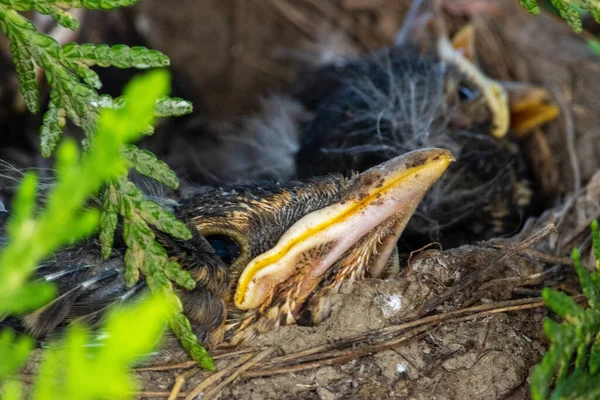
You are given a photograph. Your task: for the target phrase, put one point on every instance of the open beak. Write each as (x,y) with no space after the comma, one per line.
(381,200)
(530,107)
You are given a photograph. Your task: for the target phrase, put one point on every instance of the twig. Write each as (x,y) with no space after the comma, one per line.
(520,280)
(474,277)
(351,355)
(412,253)
(217,376)
(179,382)
(329,357)
(189,364)
(547,258)
(168,367)
(319,351)
(569,132)
(256,359)
(296,17)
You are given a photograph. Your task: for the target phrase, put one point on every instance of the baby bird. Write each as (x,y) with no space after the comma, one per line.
(426,91)
(262,255)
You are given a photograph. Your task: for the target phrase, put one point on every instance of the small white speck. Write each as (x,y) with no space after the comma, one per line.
(401,368)
(390,304)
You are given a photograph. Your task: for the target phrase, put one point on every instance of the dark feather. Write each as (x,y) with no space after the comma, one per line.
(44,320)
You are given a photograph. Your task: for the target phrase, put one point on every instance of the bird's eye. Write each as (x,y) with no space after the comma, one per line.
(465,94)
(226,248)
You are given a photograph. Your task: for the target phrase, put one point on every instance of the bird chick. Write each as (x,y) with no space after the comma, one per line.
(262,255)
(427,91)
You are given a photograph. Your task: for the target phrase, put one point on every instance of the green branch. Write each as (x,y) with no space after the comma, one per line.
(570,369)
(72,368)
(569,10)
(74,96)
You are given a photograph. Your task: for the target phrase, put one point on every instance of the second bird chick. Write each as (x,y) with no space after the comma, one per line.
(427,91)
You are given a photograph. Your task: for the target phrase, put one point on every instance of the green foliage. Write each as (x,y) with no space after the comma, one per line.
(74,95)
(569,10)
(573,360)
(13,352)
(78,367)
(67,69)
(75,368)
(34,235)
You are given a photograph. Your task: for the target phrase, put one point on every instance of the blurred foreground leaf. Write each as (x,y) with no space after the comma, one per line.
(82,367)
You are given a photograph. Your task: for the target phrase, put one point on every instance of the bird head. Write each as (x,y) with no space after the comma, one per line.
(287,246)
(472,98)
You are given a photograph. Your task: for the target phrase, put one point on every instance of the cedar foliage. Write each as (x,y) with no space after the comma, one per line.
(74,95)
(569,10)
(76,367)
(570,368)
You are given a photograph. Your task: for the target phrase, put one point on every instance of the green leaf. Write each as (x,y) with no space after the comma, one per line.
(90,77)
(596,242)
(72,368)
(147,164)
(156,215)
(172,107)
(61,16)
(108,221)
(12,390)
(139,95)
(120,56)
(24,204)
(106,123)
(136,236)
(531,6)
(51,130)
(26,74)
(572,362)
(181,277)
(183,330)
(99,4)
(34,237)
(594,363)
(14,351)
(590,290)
(561,303)
(570,10)
(30,297)
(569,13)
(145,255)
(578,385)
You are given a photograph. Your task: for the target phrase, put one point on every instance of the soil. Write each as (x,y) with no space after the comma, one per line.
(228,54)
